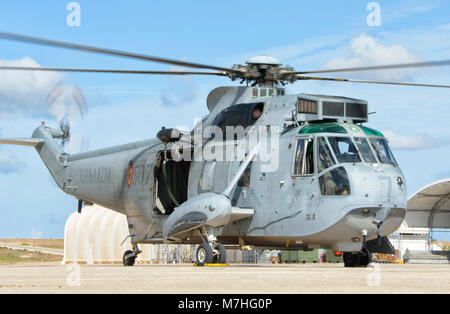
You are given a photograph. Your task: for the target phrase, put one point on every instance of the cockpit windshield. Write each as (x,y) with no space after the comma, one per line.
(364,149)
(344,149)
(382,150)
(326,159)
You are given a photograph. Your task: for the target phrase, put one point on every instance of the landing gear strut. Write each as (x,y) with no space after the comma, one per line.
(129,257)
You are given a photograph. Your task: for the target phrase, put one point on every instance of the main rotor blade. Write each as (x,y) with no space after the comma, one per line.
(368,82)
(109,71)
(380,67)
(54,43)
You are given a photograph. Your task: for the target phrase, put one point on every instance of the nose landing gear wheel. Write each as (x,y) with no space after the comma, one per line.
(360,259)
(205,254)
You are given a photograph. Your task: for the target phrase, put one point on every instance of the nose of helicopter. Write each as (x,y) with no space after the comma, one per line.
(383,191)
(374,221)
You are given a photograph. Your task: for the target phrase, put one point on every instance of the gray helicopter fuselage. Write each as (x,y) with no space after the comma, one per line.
(300,203)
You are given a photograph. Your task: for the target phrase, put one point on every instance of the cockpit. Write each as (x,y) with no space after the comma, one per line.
(325,148)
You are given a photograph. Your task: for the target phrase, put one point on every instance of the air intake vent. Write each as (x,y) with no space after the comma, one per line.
(334,109)
(307,106)
(353,110)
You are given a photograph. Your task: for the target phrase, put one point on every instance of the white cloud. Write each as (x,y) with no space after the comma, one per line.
(25,91)
(366,50)
(38,92)
(9,163)
(432,43)
(294,54)
(417,142)
(407,8)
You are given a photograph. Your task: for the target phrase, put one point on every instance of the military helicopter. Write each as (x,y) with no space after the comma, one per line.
(330,182)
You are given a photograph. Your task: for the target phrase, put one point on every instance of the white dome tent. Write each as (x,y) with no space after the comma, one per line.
(100,236)
(428,208)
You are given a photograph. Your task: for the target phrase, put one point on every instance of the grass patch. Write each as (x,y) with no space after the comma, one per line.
(47,243)
(8,257)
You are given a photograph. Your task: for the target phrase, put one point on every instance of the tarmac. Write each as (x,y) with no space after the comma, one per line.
(234,279)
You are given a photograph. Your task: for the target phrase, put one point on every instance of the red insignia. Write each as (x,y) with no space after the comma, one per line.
(130,175)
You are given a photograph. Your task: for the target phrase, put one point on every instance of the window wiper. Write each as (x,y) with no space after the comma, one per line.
(357,153)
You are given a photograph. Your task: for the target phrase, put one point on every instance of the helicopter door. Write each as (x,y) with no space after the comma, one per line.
(171,183)
(303,174)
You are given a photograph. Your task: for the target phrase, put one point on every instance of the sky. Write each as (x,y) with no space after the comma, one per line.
(106,109)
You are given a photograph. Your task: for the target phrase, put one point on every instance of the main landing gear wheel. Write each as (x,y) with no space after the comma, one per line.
(205,254)
(221,256)
(128,258)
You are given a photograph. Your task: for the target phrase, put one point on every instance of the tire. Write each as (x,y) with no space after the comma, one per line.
(361,259)
(366,257)
(128,261)
(204,254)
(351,259)
(222,257)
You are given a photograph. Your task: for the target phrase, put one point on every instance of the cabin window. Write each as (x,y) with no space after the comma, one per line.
(365,150)
(237,117)
(344,149)
(326,159)
(244,181)
(206,180)
(335,182)
(382,150)
(304,157)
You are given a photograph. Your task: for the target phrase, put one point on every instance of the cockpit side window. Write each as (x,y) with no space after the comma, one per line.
(304,157)
(335,182)
(365,150)
(382,150)
(325,157)
(344,149)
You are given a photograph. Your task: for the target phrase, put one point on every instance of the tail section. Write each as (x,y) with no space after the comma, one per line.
(50,152)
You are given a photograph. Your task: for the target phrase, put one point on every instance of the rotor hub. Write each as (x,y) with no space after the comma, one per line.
(262,70)
(263,60)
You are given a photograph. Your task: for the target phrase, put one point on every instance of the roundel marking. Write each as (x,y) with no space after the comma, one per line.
(130,175)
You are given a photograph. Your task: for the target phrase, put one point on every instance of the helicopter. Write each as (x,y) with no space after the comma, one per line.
(262,170)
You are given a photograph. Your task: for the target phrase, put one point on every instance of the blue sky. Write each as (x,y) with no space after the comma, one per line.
(123,108)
